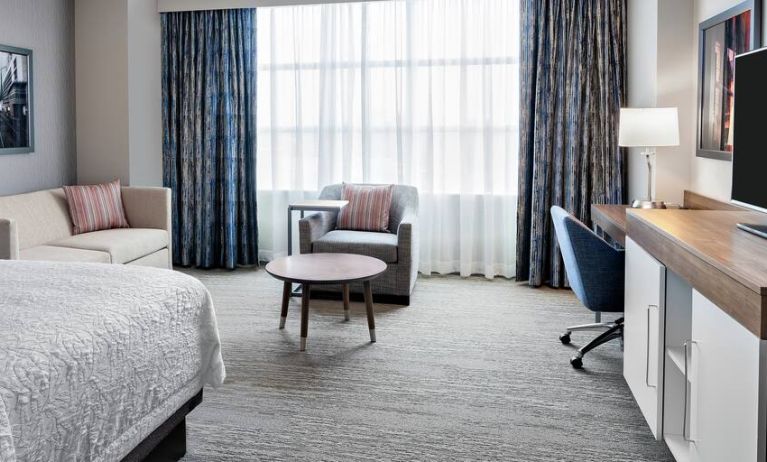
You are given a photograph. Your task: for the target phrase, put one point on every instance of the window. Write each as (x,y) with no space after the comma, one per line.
(421,92)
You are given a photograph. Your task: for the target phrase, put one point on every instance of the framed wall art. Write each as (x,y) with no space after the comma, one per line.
(721,38)
(16,118)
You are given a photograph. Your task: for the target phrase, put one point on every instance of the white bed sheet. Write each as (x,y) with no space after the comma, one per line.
(94,357)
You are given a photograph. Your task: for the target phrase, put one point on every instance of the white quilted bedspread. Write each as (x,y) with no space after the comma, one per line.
(93,357)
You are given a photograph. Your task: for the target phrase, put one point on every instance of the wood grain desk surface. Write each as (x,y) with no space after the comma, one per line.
(722,262)
(612,219)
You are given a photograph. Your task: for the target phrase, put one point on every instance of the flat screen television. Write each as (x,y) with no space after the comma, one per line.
(749,159)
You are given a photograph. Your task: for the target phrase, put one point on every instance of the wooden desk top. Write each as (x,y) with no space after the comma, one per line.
(727,265)
(612,220)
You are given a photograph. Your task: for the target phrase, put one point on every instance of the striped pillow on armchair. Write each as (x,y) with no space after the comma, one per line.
(368,208)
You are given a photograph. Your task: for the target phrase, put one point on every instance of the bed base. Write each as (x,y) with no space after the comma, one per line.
(168,442)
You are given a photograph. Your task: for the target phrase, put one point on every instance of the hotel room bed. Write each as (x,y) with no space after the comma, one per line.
(97,360)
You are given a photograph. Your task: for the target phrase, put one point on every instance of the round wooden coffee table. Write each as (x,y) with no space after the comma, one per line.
(325,268)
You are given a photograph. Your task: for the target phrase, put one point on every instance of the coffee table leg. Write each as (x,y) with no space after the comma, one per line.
(346,302)
(369,307)
(304,314)
(285,301)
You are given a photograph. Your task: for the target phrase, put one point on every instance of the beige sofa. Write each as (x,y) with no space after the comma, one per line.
(37,226)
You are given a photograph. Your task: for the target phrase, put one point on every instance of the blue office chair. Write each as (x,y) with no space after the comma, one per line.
(595,271)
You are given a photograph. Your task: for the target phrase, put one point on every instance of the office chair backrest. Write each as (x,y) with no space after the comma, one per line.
(595,269)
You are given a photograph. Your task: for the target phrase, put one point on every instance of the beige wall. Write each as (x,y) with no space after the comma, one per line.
(676,57)
(119,107)
(145,93)
(47,28)
(101,52)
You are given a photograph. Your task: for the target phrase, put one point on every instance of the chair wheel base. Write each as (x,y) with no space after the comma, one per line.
(565,338)
(576,362)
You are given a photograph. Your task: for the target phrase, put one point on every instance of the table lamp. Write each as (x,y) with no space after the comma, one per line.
(648,128)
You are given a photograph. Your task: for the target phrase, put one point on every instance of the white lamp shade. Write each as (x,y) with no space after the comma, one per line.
(657,126)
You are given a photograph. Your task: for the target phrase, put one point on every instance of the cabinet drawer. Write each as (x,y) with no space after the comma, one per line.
(644,308)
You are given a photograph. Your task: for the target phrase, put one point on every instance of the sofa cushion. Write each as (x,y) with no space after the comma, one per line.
(54,253)
(378,245)
(40,216)
(123,245)
(159,259)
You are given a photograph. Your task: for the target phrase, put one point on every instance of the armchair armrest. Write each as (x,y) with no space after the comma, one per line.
(405,232)
(407,244)
(147,207)
(314,227)
(9,240)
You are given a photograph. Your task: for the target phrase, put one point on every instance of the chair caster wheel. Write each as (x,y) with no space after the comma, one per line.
(565,338)
(576,362)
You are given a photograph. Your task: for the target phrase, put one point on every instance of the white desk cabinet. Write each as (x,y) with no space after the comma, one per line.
(697,374)
(643,333)
(695,332)
(724,387)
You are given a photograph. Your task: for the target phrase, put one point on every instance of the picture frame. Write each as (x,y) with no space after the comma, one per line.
(720,38)
(16,101)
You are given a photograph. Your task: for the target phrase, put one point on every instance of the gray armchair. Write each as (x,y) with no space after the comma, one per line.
(398,248)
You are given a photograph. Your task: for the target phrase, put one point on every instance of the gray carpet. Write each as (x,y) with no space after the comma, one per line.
(471,370)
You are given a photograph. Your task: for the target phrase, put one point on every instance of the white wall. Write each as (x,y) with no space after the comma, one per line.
(660,57)
(119,107)
(663,71)
(710,176)
(46,27)
(642,78)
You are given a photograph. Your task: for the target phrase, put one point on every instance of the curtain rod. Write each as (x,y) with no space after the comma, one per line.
(164,6)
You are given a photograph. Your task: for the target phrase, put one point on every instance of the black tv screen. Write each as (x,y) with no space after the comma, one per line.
(749,169)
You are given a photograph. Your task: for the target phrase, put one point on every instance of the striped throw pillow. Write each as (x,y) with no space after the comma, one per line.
(368,208)
(96,207)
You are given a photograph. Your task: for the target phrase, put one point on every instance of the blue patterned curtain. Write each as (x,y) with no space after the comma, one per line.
(573,83)
(209,135)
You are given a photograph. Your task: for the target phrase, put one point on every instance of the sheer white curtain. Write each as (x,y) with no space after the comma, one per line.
(420,92)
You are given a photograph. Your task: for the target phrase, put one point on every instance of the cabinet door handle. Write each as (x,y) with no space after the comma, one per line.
(685,434)
(647,356)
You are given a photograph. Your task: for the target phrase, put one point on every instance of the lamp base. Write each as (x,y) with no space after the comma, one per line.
(645,204)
